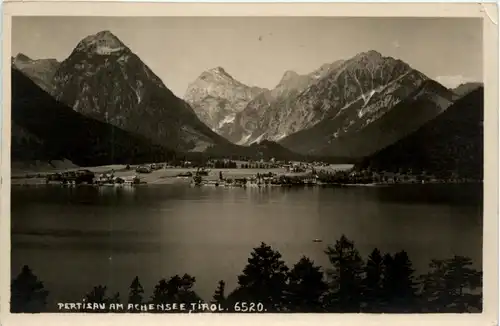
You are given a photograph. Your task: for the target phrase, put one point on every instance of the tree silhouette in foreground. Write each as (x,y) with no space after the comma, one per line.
(398,284)
(264,279)
(98,295)
(136,292)
(385,284)
(345,277)
(176,290)
(450,284)
(219,295)
(306,287)
(27,293)
(373,283)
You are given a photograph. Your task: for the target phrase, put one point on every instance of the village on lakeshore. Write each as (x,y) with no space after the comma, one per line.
(229,173)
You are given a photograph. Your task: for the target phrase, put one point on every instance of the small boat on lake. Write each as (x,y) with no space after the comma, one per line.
(317,240)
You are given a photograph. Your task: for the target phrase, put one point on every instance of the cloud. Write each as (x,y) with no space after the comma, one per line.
(454,81)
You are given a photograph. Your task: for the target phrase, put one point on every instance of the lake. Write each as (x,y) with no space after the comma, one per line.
(77,238)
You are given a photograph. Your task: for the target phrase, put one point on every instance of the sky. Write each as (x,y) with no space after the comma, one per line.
(258,50)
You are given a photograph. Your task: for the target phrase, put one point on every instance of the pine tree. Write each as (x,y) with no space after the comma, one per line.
(98,295)
(373,282)
(263,280)
(398,284)
(387,291)
(219,295)
(176,290)
(136,292)
(306,287)
(28,294)
(449,286)
(160,293)
(345,277)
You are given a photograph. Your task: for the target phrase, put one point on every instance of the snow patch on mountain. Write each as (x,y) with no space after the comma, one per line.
(106,50)
(102,43)
(228,119)
(244,140)
(258,139)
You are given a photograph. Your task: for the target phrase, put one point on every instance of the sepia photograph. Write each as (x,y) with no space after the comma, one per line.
(246,164)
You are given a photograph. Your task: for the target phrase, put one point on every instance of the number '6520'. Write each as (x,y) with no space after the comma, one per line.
(248,307)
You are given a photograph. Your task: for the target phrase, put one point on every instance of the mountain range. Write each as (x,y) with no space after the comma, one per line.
(262,112)
(317,112)
(348,109)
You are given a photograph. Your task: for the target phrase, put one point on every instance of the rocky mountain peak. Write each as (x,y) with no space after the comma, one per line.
(465,88)
(40,71)
(101,43)
(373,66)
(370,55)
(325,69)
(21,57)
(217,74)
(105,80)
(218,70)
(289,74)
(216,97)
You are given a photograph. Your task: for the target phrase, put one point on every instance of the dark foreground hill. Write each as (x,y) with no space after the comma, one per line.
(45,129)
(425,103)
(450,144)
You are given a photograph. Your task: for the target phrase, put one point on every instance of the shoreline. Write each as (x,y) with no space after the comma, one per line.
(187,182)
(232,178)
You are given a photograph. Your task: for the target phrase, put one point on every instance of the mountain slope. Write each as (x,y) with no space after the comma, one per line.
(41,71)
(451,143)
(45,129)
(248,124)
(360,93)
(105,80)
(25,146)
(362,138)
(217,97)
(466,88)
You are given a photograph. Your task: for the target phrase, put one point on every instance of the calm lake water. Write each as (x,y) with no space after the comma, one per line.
(76,238)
